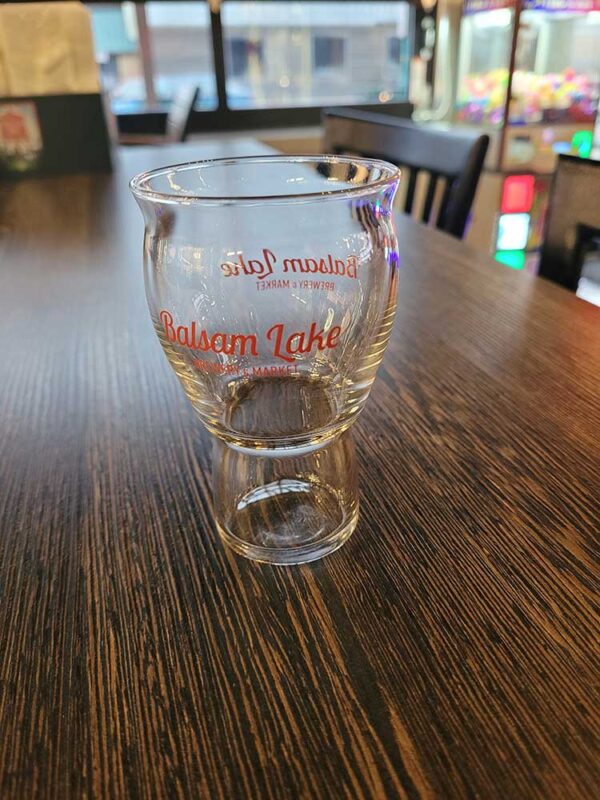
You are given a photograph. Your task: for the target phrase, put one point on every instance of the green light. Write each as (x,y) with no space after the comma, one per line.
(582,143)
(512,258)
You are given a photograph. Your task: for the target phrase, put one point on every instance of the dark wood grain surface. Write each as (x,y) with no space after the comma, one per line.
(448,650)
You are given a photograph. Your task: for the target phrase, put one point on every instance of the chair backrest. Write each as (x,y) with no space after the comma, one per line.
(180,113)
(452,158)
(572,220)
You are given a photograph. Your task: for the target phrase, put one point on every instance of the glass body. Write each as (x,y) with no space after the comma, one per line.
(271,283)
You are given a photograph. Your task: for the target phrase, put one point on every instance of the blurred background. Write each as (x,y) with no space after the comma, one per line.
(523,74)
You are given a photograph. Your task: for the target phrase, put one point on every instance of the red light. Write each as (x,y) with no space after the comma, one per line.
(517,194)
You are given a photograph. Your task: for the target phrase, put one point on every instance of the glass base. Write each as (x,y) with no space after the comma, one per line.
(286,509)
(288,542)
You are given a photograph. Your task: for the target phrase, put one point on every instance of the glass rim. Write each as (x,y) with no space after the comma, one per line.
(140,184)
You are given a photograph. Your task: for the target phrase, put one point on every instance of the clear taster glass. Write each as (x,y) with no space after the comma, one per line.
(271,283)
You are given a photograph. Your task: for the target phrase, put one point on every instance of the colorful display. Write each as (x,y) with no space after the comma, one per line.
(515,227)
(572,6)
(553,97)
(551,46)
(513,231)
(517,194)
(512,258)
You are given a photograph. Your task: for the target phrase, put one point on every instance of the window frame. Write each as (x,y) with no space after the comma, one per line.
(224,118)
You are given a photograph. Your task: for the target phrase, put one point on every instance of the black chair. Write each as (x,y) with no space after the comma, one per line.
(178,120)
(180,113)
(572,221)
(452,156)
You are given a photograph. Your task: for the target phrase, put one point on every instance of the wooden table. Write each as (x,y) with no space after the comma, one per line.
(446,651)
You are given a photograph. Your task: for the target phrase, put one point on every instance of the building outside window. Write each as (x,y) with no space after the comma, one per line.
(396,49)
(242,52)
(164,44)
(318,53)
(181,49)
(328,52)
(118,55)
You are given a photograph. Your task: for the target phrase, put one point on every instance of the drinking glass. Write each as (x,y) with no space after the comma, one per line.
(271,283)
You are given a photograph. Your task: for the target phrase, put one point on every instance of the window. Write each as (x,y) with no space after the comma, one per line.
(146,52)
(328,52)
(313,53)
(118,54)
(181,49)
(275,54)
(242,54)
